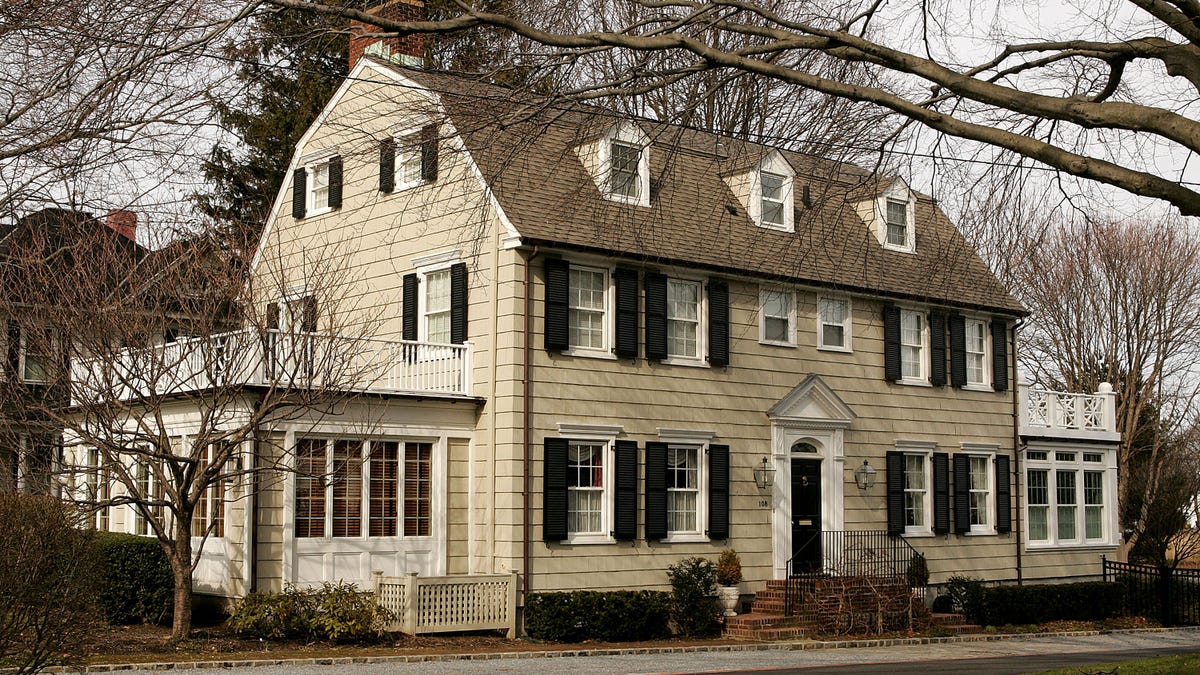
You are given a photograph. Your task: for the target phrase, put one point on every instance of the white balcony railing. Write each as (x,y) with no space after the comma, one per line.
(277,359)
(1070,415)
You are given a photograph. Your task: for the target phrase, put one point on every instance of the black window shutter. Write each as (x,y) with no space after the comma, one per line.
(335,182)
(273,316)
(937,349)
(895,492)
(656,316)
(891,343)
(458,303)
(558,291)
(626,281)
(625,518)
(958,350)
(962,493)
(308,323)
(429,153)
(656,491)
(14,349)
(718,492)
(999,354)
(554,490)
(941,493)
(387,165)
(1003,495)
(718,323)
(408,318)
(299,192)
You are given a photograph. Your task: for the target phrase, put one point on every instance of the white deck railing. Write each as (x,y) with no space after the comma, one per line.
(449,604)
(280,359)
(1062,414)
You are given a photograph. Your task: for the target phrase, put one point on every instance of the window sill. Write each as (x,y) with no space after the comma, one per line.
(914,383)
(681,361)
(313,213)
(979,387)
(588,539)
(775,227)
(919,533)
(900,249)
(622,199)
(980,533)
(590,354)
(1051,548)
(830,348)
(401,187)
(777,343)
(686,538)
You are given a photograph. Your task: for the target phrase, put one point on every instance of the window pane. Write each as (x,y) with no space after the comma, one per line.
(683,482)
(418,489)
(914,490)
(834,315)
(408,160)
(772,202)
(319,177)
(383,518)
(979,484)
(976,352)
(624,169)
(586,304)
(897,223)
(1065,498)
(833,336)
(310,488)
(683,318)
(776,316)
(437,306)
(1093,499)
(347,488)
(585,488)
(777,330)
(912,339)
(1039,527)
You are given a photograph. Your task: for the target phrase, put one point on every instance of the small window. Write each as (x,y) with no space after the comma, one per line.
(1064,457)
(586,307)
(1036,455)
(778,317)
(408,161)
(833,317)
(976,352)
(773,199)
(437,306)
(897,223)
(683,319)
(624,176)
(37,355)
(912,345)
(585,488)
(318,188)
(1093,457)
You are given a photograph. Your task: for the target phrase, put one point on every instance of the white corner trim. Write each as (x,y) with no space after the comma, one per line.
(437,259)
(686,435)
(584,431)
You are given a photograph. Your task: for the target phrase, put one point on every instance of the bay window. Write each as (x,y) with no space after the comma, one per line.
(1068,497)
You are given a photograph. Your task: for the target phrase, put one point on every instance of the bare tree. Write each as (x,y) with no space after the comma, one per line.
(1088,101)
(1120,303)
(179,365)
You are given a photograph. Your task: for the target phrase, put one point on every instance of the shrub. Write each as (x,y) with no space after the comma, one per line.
(136,581)
(694,606)
(966,597)
(1085,601)
(48,581)
(918,571)
(611,616)
(334,612)
(729,568)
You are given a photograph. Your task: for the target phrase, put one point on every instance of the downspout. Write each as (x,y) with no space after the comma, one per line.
(1016,424)
(526,544)
(252,507)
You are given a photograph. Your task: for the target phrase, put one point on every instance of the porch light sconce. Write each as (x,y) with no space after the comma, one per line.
(865,476)
(764,474)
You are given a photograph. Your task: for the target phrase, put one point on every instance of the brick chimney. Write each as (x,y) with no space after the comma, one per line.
(124,222)
(408,50)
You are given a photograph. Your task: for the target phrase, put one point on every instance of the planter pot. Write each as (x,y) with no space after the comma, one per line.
(729,596)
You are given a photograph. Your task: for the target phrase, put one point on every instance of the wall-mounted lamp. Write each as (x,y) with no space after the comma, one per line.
(864,476)
(764,474)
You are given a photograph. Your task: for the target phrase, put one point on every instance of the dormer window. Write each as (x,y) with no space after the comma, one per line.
(891,216)
(765,189)
(773,203)
(618,160)
(897,223)
(623,175)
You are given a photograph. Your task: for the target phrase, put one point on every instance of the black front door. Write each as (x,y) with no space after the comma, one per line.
(806,515)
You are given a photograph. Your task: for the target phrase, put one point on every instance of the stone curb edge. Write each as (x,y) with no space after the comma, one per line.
(805,645)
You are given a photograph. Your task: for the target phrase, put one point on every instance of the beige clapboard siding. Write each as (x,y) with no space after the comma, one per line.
(457,506)
(269,531)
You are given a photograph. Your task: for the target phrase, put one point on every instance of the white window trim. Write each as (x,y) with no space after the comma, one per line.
(625,133)
(924,449)
(910,234)
(847,325)
(309,163)
(762,316)
(426,265)
(607,435)
(775,164)
(923,380)
(988,453)
(1107,467)
(607,324)
(700,439)
(986,384)
(699,360)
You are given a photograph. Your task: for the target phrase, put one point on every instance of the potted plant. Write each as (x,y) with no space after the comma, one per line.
(918,574)
(729,575)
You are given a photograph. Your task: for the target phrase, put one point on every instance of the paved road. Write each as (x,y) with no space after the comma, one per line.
(1004,656)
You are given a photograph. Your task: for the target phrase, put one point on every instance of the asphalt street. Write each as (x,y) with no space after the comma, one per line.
(1018,655)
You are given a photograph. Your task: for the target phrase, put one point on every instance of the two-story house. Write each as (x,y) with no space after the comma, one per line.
(599,345)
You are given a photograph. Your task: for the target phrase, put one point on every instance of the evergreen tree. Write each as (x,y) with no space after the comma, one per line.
(291,64)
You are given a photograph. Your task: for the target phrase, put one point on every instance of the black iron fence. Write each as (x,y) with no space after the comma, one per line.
(851,553)
(1170,596)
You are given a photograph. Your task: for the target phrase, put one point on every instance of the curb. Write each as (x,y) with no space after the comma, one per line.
(804,645)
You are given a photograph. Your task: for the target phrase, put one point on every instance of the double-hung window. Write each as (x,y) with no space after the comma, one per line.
(912,345)
(208,518)
(1065,497)
(624,176)
(773,199)
(37,355)
(683,490)
(976,352)
(437,306)
(408,161)
(318,188)
(778,317)
(356,488)
(683,319)
(587,305)
(916,494)
(897,223)
(833,324)
(586,483)
(980,493)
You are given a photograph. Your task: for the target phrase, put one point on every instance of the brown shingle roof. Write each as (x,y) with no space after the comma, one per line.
(525,148)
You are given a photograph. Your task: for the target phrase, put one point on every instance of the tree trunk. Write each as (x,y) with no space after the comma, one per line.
(181,566)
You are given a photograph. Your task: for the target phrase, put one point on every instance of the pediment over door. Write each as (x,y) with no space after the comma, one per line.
(812,402)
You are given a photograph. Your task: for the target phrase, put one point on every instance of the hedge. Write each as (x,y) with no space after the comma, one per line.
(1084,601)
(610,616)
(136,581)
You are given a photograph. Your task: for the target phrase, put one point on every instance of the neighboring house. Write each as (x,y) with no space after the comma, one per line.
(41,255)
(602,344)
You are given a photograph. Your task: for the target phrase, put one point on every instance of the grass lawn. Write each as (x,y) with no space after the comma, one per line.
(1183,664)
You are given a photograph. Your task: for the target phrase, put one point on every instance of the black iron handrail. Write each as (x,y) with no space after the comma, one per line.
(846,553)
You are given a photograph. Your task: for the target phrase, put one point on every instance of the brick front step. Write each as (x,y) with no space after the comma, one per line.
(763,627)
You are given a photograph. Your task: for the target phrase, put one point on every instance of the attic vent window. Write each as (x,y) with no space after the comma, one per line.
(624,179)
